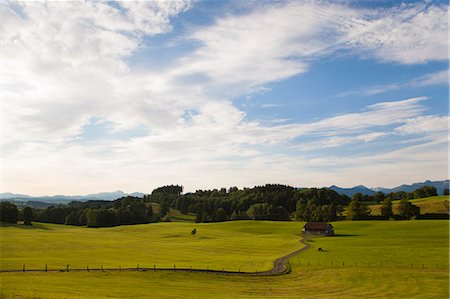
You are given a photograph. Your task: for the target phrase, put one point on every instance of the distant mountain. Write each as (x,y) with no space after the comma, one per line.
(439,185)
(63,199)
(350,191)
(137,194)
(7,195)
(107,195)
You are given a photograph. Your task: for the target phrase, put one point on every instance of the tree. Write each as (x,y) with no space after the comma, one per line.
(27,216)
(378,196)
(72,218)
(386,209)
(446,191)
(8,212)
(357,210)
(164,208)
(91,218)
(220,215)
(358,196)
(406,210)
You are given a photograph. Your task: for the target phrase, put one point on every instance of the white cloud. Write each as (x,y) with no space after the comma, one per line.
(424,124)
(281,40)
(339,141)
(408,34)
(435,78)
(65,63)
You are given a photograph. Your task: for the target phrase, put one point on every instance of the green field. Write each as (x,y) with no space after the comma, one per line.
(433,204)
(366,259)
(246,245)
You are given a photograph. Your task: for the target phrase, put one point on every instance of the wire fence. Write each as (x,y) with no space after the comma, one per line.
(368,264)
(88,268)
(300,264)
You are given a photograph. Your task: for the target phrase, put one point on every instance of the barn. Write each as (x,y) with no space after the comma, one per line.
(318,228)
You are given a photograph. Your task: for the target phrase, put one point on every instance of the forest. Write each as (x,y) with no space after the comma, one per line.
(268,202)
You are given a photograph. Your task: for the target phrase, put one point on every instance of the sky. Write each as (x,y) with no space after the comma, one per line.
(101,96)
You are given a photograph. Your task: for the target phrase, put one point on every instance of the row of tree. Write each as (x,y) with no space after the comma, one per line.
(94,213)
(425,191)
(358,210)
(269,202)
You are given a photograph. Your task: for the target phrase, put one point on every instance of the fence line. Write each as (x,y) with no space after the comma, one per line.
(302,264)
(139,268)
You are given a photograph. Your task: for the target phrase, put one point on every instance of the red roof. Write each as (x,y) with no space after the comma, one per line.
(316,225)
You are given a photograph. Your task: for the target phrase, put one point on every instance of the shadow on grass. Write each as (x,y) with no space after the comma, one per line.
(345,235)
(23,226)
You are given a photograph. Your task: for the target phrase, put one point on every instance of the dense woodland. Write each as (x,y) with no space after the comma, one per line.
(269,202)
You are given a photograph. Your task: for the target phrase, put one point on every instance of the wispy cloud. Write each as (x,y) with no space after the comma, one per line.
(66,64)
(435,78)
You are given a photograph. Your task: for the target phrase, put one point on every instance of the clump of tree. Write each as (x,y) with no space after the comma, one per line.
(386,209)
(268,202)
(320,205)
(27,215)
(357,210)
(8,212)
(99,213)
(406,210)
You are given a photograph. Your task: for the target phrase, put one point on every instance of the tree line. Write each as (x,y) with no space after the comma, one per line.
(268,202)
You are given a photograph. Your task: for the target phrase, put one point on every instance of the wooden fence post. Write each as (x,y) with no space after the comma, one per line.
(23,268)
(173,267)
(154,267)
(46,268)
(102,267)
(67,268)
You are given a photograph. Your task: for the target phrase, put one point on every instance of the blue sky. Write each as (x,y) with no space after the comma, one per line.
(100,96)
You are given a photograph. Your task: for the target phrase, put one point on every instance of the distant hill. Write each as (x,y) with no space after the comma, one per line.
(8,195)
(64,199)
(439,185)
(350,191)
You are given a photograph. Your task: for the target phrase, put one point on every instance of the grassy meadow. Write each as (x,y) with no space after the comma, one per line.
(244,245)
(367,259)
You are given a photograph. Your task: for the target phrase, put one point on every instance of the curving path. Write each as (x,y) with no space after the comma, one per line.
(280,266)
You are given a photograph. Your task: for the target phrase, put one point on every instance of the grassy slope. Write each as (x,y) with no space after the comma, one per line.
(420,242)
(245,245)
(434,204)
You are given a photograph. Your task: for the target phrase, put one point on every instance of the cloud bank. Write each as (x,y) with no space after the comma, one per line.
(67,63)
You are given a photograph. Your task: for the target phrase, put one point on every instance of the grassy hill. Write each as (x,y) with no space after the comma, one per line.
(232,245)
(434,204)
(365,259)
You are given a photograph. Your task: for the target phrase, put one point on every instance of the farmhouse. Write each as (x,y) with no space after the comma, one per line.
(318,228)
